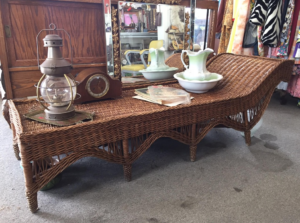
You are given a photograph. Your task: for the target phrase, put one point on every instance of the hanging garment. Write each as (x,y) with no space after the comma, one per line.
(259,12)
(271,30)
(250,35)
(252,3)
(295,39)
(260,45)
(274,52)
(255,49)
(236,5)
(241,20)
(284,11)
(294,84)
(268,14)
(294,23)
(286,31)
(297,46)
(226,28)
(220,16)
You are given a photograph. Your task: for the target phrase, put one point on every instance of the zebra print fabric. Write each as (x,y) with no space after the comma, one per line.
(271,31)
(259,12)
(268,14)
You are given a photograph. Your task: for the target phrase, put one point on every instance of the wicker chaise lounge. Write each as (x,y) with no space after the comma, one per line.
(238,101)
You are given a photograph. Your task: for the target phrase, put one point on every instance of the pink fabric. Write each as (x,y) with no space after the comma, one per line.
(240,28)
(294,84)
(274,51)
(128,20)
(294,38)
(261,48)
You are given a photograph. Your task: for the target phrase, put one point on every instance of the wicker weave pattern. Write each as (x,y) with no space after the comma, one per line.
(125,128)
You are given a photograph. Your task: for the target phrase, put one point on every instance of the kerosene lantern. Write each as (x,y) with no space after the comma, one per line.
(57,88)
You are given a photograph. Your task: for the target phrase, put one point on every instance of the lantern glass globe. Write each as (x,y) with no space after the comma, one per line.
(56,90)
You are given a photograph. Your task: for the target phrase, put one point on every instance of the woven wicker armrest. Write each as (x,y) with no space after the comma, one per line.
(238,101)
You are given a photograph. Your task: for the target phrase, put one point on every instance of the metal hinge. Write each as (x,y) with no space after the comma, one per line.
(7,31)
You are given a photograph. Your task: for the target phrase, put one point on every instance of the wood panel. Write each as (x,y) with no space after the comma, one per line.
(212,28)
(207,5)
(23,82)
(74,66)
(3,59)
(83,21)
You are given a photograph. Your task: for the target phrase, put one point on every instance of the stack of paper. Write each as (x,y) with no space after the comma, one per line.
(163,95)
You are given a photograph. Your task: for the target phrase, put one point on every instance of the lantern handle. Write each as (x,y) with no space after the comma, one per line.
(37,91)
(52,27)
(71,90)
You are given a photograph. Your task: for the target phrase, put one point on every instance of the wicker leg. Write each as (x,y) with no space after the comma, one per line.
(248,137)
(29,183)
(126,167)
(32,202)
(193,151)
(16,150)
(127,172)
(15,142)
(247,132)
(193,148)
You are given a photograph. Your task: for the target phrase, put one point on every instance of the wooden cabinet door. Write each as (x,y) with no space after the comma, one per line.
(83,21)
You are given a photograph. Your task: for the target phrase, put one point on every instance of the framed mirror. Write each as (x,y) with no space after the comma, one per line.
(137,27)
(204,23)
(143,26)
(130,32)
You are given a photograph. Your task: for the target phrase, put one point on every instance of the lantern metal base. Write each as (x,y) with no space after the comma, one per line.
(59,113)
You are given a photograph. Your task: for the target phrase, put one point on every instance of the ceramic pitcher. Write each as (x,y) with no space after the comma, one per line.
(197,67)
(157,59)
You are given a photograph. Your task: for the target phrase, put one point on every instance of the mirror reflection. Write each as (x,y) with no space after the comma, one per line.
(143,26)
(201,22)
